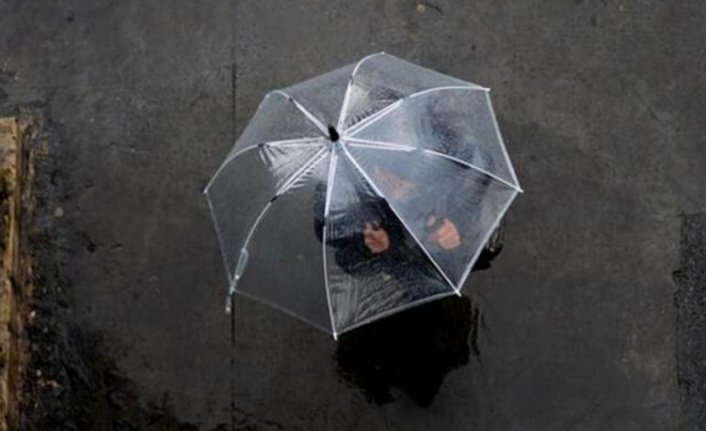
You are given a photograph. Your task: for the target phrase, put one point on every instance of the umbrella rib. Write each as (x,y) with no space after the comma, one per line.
(346,97)
(303,142)
(309,116)
(333,163)
(365,123)
(379,192)
(315,159)
(390,146)
(500,139)
(495,224)
(300,173)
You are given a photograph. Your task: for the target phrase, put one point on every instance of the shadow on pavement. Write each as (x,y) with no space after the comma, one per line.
(413,350)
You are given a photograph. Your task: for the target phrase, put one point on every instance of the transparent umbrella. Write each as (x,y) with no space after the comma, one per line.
(361,193)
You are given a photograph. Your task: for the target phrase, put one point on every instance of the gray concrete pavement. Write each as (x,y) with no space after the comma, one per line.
(601,104)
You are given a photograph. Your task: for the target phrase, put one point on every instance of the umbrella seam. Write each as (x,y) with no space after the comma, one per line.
(367,122)
(329,190)
(281,143)
(300,173)
(434,153)
(362,124)
(315,121)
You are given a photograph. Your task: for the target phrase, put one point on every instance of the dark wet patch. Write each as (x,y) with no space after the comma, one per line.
(412,350)
(71,381)
(89,244)
(75,385)
(6,75)
(690,302)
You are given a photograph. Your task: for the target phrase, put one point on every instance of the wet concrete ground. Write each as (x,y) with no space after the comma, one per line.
(573,327)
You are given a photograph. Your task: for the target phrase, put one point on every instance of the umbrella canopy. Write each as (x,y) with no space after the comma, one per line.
(361,193)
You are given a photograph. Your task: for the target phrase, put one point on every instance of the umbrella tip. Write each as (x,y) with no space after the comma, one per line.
(333,133)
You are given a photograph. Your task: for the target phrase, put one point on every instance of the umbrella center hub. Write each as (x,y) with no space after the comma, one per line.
(333,134)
